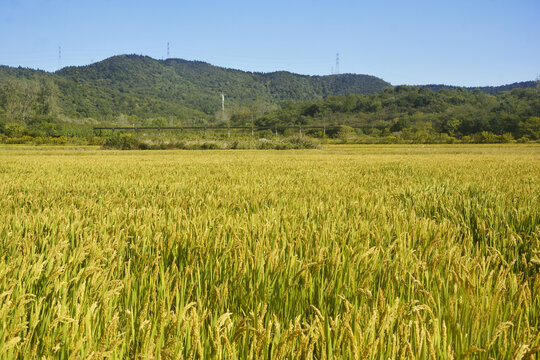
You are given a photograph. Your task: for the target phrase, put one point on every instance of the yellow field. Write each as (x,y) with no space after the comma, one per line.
(346,252)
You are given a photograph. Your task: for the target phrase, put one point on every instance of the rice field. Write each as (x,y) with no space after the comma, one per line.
(349,252)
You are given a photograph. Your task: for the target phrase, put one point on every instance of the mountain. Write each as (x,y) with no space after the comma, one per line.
(198,85)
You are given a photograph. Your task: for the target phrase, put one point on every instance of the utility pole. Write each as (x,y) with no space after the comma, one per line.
(223,115)
(168,51)
(223,106)
(252,124)
(337,64)
(538,91)
(59,57)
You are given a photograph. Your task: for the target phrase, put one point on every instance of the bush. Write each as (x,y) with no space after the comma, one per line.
(122,141)
(19,140)
(95,140)
(15,130)
(345,133)
(125,141)
(507,138)
(265,144)
(209,145)
(302,142)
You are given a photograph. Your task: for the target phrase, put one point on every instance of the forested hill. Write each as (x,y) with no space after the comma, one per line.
(141,87)
(198,85)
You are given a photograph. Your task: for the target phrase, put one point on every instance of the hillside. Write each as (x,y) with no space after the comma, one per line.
(197,85)
(139,87)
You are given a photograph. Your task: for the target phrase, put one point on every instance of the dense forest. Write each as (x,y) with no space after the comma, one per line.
(138,90)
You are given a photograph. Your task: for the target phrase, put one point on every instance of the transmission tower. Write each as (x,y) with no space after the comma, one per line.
(168,52)
(337,64)
(59,57)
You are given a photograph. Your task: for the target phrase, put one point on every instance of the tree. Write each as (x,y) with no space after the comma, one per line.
(530,128)
(46,103)
(241,115)
(23,99)
(452,126)
(345,133)
(49,129)
(159,121)
(400,124)
(14,130)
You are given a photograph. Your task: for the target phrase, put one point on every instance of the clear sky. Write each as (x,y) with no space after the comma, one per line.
(458,42)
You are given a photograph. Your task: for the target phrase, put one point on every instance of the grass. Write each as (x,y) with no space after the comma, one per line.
(345,252)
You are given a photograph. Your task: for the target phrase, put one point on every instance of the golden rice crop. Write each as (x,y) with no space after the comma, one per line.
(346,252)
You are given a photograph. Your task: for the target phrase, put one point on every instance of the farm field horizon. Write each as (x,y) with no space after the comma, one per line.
(349,251)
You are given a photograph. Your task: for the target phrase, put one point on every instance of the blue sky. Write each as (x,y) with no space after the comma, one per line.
(475,42)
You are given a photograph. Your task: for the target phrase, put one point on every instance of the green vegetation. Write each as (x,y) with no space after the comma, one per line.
(379,252)
(137,88)
(419,115)
(487,89)
(126,141)
(134,90)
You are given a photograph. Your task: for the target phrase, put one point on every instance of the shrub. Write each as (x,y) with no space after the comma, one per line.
(345,133)
(122,141)
(302,142)
(125,141)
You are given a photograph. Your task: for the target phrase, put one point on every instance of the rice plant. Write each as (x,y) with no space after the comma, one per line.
(354,252)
